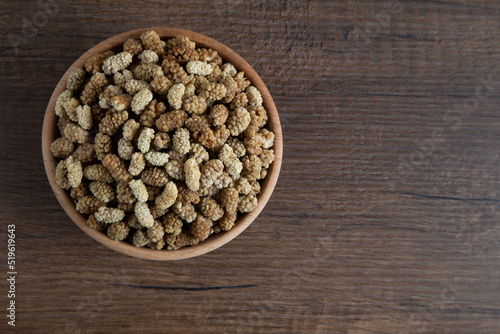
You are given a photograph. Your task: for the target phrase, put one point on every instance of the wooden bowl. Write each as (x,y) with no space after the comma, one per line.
(50,133)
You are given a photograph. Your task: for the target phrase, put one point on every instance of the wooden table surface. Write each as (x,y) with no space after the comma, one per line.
(386,216)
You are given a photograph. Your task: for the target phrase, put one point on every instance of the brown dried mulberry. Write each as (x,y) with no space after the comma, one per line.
(155,176)
(93,88)
(61,147)
(75,79)
(80,191)
(130,129)
(118,231)
(75,172)
(171,121)
(140,238)
(213,91)
(102,191)
(185,210)
(62,175)
(113,121)
(251,167)
(98,173)
(172,223)
(228,220)
(201,131)
(247,203)
(229,199)
(137,164)
(94,63)
(107,94)
(143,214)
(211,209)
(195,105)
(116,167)
(156,232)
(88,205)
(161,140)
(135,86)
(151,41)
(132,46)
(218,114)
(124,193)
(117,63)
(93,223)
(238,121)
(147,72)
(200,228)
(103,145)
(76,134)
(180,141)
(161,85)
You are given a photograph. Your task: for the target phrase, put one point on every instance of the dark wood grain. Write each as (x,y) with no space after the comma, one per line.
(386,215)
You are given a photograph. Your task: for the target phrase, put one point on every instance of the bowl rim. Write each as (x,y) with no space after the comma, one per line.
(49,134)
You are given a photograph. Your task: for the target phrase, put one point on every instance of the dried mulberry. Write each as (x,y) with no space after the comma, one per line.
(147,72)
(161,140)
(254,96)
(124,193)
(135,86)
(118,231)
(139,190)
(200,228)
(125,149)
(228,220)
(157,158)
(148,57)
(161,85)
(107,94)
(218,114)
(137,164)
(175,169)
(102,191)
(140,238)
(155,176)
(145,138)
(143,214)
(201,131)
(117,63)
(151,41)
(185,210)
(76,134)
(195,105)
(130,129)
(112,122)
(251,167)
(103,145)
(192,174)
(213,91)
(61,147)
(98,173)
(172,223)
(230,160)
(175,95)
(75,172)
(238,121)
(141,100)
(62,175)
(93,88)
(116,167)
(229,199)
(156,232)
(247,203)
(180,141)
(211,209)
(168,196)
(88,205)
(93,223)
(84,117)
(171,121)
(132,46)
(94,63)
(75,79)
